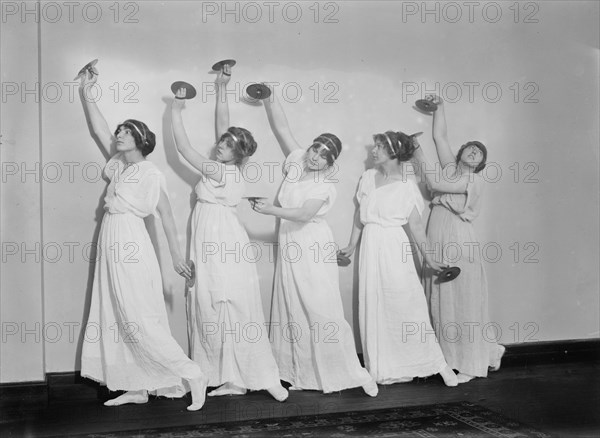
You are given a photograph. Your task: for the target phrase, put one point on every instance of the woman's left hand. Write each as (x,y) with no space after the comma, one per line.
(262,207)
(183,269)
(437,267)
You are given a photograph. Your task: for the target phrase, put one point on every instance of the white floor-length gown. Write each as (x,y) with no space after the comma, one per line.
(398,340)
(128,343)
(313,342)
(227,330)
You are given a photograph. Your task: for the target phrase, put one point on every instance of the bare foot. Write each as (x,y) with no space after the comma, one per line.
(198,387)
(464,378)
(279,393)
(371,388)
(227,389)
(135,397)
(495,366)
(450,379)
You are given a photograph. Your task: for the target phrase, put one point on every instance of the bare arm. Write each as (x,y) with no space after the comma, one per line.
(210,168)
(166,215)
(436,179)
(440,134)
(280,125)
(95,120)
(222,107)
(303,214)
(417,230)
(357,227)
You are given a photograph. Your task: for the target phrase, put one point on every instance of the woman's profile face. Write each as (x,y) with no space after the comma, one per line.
(225,150)
(379,153)
(472,156)
(316,158)
(125,140)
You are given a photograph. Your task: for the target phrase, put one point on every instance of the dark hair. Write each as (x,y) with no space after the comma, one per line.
(397,144)
(244,144)
(481,147)
(145,140)
(332,145)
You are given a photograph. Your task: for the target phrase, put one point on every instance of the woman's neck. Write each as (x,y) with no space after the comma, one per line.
(133,156)
(464,169)
(390,169)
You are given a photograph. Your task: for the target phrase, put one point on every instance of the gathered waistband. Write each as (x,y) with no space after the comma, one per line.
(202,201)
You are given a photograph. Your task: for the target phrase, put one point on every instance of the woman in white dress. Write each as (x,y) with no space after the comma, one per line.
(397,338)
(128,344)
(227,330)
(313,343)
(459,308)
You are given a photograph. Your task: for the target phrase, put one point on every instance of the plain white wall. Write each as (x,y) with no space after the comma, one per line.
(356,77)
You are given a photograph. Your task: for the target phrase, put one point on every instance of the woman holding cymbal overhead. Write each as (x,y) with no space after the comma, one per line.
(127,294)
(225,301)
(313,343)
(459,308)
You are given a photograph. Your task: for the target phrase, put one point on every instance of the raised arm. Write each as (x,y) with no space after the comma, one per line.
(435,178)
(440,133)
(209,168)
(280,125)
(95,120)
(166,215)
(222,107)
(417,230)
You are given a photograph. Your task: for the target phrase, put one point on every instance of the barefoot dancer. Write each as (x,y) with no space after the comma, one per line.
(128,344)
(228,335)
(307,302)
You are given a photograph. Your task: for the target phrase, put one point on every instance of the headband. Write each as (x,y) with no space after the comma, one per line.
(325,146)
(130,123)
(391,145)
(233,136)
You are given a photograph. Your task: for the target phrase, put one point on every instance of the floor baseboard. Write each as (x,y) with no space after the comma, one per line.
(57,386)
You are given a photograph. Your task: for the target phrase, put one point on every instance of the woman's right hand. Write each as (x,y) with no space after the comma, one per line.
(348,251)
(224,75)
(88,79)
(434,98)
(179,101)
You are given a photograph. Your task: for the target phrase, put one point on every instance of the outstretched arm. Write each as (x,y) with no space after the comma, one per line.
(280,125)
(210,168)
(95,120)
(222,107)
(303,214)
(440,133)
(166,215)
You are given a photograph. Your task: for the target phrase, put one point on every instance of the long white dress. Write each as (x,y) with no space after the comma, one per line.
(313,342)
(227,330)
(128,343)
(397,338)
(459,308)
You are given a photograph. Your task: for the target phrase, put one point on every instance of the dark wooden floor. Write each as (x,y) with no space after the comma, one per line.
(562,399)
